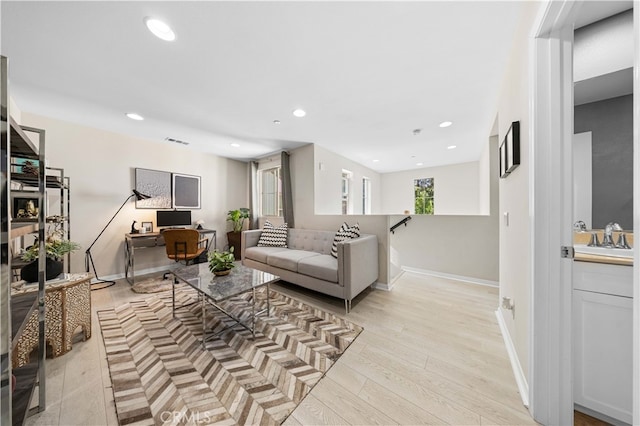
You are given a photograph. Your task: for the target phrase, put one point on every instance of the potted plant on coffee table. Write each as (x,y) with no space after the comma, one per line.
(221,262)
(237,218)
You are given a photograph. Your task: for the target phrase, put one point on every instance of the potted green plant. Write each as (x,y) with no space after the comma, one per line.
(221,262)
(237,218)
(56,248)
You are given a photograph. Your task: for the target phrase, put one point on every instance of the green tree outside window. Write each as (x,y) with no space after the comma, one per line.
(423,189)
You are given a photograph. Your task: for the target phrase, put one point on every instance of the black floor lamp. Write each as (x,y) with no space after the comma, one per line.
(88,259)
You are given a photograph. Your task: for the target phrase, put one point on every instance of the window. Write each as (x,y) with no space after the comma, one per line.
(346,196)
(423,189)
(366,196)
(270,187)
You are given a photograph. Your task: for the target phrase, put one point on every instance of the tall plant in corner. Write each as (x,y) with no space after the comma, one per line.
(237,218)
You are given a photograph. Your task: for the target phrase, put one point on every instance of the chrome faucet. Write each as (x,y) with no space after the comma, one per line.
(607,239)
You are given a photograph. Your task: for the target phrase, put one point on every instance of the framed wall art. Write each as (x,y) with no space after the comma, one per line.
(147,226)
(510,150)
(186,191)
(156,184)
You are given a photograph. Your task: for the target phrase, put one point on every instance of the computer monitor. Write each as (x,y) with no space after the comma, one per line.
(173,218)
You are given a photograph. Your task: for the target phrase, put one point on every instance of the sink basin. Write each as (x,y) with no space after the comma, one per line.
(604,251)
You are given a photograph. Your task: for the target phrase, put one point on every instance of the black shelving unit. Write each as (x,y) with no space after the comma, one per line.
(26,376)
(14,314)
(31,376)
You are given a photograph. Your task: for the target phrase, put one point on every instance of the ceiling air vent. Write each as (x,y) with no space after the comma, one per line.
(176,141)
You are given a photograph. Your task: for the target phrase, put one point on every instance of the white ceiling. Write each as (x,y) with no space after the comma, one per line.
(367,73)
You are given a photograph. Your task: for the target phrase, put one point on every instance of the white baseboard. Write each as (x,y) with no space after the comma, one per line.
(471,280)
(387,286)
(521,380)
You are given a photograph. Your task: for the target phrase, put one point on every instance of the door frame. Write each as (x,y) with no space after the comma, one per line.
(636,212)
(551,366)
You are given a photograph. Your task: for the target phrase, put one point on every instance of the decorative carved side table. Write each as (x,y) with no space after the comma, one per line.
(67,307)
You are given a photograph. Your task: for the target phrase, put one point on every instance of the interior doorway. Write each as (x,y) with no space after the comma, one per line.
(550,378)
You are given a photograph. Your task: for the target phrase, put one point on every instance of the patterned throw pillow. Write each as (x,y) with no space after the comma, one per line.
(272,236)
(345,233)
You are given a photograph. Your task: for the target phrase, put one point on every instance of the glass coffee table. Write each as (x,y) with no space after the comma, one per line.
(214,289)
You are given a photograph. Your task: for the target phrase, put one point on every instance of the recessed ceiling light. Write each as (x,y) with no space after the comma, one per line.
(445,124)
(375,161)
(451,147)
(159,29)
(419,164)
(276,121)
(299,113)
(134,116)
(235,145)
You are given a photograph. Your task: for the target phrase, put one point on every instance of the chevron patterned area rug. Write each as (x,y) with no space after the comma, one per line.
(161,374)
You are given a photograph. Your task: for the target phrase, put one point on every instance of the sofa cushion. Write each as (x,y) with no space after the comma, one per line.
(345,233)
(310,240)
(288,259)
(273,236)
(323,267)
(260,254)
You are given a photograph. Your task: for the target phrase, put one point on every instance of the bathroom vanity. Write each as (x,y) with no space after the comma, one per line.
(603,332)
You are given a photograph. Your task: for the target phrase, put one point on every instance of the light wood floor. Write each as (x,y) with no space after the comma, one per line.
(430,353)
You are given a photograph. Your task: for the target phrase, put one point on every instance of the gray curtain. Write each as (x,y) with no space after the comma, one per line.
(287,199)
(253,195)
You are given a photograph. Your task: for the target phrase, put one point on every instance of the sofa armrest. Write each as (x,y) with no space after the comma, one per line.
(357,264)
(249,239)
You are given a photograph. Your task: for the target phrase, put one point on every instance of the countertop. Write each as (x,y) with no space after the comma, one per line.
(583,257)
(584,237)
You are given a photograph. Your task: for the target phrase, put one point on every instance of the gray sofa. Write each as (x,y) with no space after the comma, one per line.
(308,263)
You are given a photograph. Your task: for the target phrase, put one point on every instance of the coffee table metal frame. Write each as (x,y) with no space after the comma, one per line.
(214,289)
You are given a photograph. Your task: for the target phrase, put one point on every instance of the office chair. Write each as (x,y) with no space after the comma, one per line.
(184,245)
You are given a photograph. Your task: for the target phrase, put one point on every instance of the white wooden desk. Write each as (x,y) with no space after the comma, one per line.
(133,242)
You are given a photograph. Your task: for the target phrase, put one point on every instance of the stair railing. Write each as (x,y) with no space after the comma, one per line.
(402,222)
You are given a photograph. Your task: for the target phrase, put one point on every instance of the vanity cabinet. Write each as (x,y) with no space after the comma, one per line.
(603,337)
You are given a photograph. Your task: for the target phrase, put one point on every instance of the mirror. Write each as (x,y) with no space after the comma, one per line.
(603,122)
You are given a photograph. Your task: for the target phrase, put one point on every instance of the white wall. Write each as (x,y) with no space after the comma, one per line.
(457,243)
(515,239)
(582,178)
(101,166)
(484,181)
(455,189)
(464,246)
(302,162)
(328,168)
(456,186)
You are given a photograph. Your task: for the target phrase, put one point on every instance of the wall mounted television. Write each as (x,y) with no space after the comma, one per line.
(173,218)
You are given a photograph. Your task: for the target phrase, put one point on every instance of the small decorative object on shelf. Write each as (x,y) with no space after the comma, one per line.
(200,223)
(147,227)
(25,207)
(133,227)
(30,168)
(221,262)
